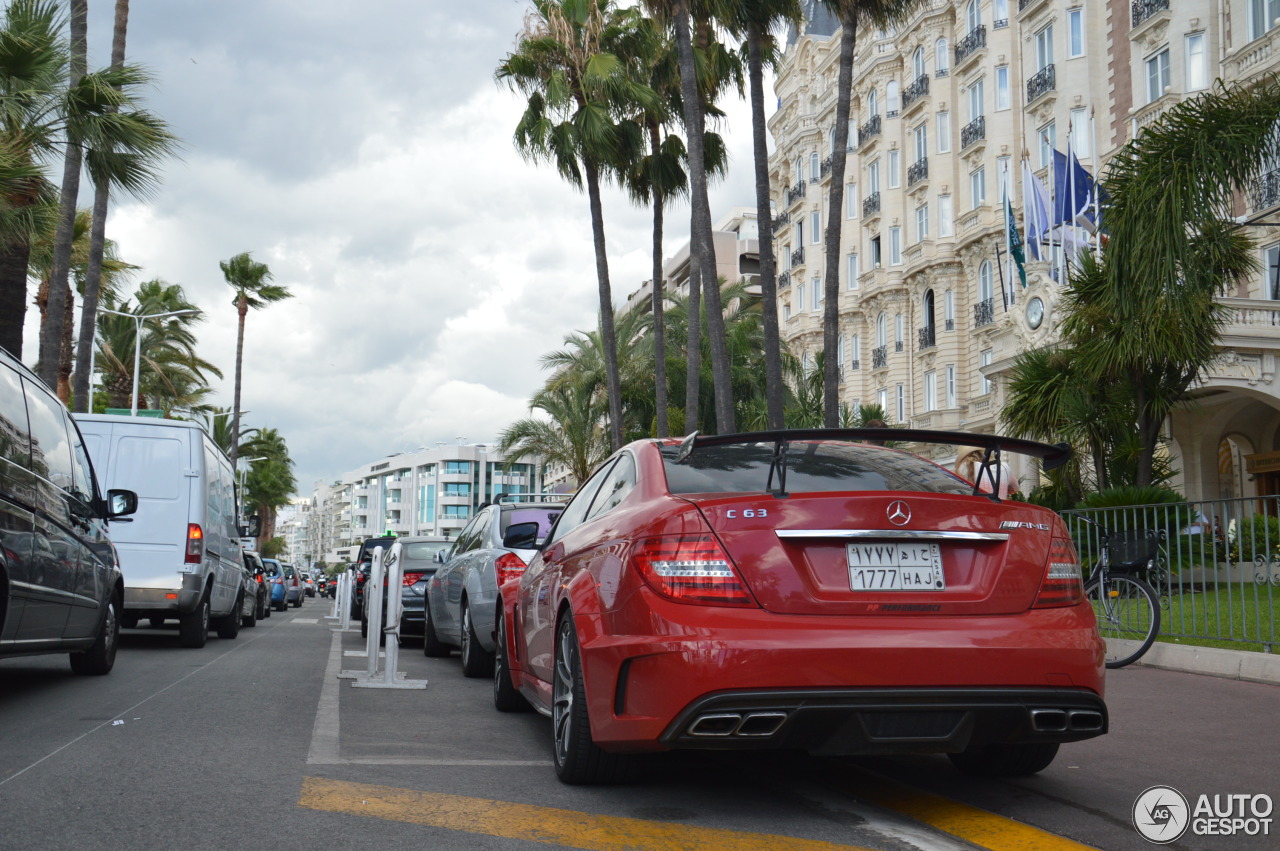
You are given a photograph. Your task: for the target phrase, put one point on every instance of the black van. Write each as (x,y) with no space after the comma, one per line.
(60,585)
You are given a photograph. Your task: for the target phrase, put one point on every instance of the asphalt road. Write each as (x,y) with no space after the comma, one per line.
(255,743)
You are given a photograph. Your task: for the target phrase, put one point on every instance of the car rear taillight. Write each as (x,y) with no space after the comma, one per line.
(195,544)
(509,566)
(259,578)
(691,569)
(360,578)
(413,578)
(1062,585)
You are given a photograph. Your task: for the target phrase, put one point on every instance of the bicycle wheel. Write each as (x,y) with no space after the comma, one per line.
(1128,616)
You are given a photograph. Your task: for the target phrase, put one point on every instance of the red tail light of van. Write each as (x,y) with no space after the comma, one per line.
(195,544)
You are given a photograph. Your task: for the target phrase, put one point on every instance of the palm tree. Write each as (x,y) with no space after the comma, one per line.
(755,20)
(252,282)
(851,14)
(571,63)
(572,436)
(270,482)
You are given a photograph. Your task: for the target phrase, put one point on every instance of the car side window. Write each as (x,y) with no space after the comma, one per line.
(50,445)
(81,469)
(576,511)
(13,420)
(621,481)
(465,536)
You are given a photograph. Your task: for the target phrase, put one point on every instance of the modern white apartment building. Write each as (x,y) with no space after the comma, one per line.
(736,239)
(428,492)
(944,109)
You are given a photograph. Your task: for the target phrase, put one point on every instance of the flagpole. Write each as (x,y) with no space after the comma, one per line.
(1005,211)
(1097,175)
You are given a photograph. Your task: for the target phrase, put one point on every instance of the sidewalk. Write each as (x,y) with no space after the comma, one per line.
(1213,662)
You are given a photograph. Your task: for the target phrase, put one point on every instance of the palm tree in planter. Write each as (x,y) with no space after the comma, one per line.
(252,282)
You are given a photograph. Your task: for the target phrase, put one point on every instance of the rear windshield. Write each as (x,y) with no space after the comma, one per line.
(811,468)
(544,517)
(424,550)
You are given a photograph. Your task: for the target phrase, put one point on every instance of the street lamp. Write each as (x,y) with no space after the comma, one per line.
(137,343)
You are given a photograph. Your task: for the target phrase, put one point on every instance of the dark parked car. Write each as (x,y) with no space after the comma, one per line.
(808,590)
(61,590)
(419,554)
(257,594)
(364,560)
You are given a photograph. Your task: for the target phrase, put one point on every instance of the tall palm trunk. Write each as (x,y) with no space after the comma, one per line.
(764,222)
(81,385)
(64,352)
(242,309)
(702,248)
(53,320)
(831,274)
(659,297)
(14,254)
(607,336)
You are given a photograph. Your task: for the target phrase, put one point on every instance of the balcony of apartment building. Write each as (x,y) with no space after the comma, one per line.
(1252,60)
(913,95)
(780,222)
(970,47)
(1146,10)
(871,205)
(869,130)
(824,169)
(926,337)
(793,194)
(1041,83)
(974,131)
(917,171)
(1026,6)
(784,281)
(797,257)
(880,357)
(1150,113)
(984,312)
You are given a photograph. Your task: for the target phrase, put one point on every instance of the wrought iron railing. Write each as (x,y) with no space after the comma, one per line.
(797,256)
(780,222)
(869,130)
(1143,9)
(1266,191)
(879,357)
(948,325)
(855,364)
(984,312)
(974,131)
(915,91)
(1042,82)
(784,280)
(976,38)
(825,169)
(871,204)
(795,193)
(917,171)
(926,335)
(897,345)
(999,23)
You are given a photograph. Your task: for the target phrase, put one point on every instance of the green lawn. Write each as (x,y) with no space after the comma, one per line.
(1232,616)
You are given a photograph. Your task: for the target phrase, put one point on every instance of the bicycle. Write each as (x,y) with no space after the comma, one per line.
(1126,606)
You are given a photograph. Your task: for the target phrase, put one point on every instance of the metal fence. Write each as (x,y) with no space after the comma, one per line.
(1214,563)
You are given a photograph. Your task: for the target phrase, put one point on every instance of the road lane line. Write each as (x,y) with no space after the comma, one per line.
(980,827)
(538,824)
(325,744)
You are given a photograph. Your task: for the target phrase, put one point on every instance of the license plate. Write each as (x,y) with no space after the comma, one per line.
(895,566)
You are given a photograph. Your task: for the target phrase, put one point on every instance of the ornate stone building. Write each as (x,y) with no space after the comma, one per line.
(944,110)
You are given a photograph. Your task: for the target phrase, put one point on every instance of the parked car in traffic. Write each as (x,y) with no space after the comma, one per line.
(293,587)
(806,590)
(495,546)
(180,554)
(363,563)
(419,559)
(61,588)
(257,591)
(308,584)
(278,583)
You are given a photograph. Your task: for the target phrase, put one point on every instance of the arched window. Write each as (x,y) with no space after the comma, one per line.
(928,311)
(898,329)
(873,104)
(918,69)
(891,98)
(942,56)
(800,170)
(985,289)
(815,166)
(882,330)
(973,15)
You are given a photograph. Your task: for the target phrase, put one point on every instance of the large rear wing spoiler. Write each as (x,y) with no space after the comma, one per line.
(1051,456)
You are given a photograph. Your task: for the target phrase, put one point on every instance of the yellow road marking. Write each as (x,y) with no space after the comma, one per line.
(538,824)
(982,828)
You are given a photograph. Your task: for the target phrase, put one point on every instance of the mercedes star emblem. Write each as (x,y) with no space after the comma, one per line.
(899,513)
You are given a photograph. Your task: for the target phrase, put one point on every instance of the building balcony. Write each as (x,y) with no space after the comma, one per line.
(915,91)
(984,312)
(1265,192)
(1041,83)
(797,257)
(974,131)
(1143,9)
(926,335)
(918,171)
(871,204)
(780,222)
(974,41)
(879,357)
(949,325)
(794,193)
(898,346)
(1024,5)
(869,131)
(1251,323)
(856,364)
(825,169)
(784,280)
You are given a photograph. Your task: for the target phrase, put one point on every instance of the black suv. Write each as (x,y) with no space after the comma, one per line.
(364,564)
(61,590)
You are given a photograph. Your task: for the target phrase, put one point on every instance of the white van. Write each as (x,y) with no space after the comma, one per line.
(181,553)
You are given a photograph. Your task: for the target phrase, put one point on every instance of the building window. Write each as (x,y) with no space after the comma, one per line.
(1271,285)
(840,350)
(815,167)
(921,136)
(1157,75)
(978,186)
(815,225)
(891,98)
(894,166)
(852,144)
(818,293)
(918,68)
(1044,48)
(922,222)
(876,257)
(1080,132)
(951,386)
(799,297)
(851,200)
(786,310)
(882,330)
(453,468)
(852,271)
(1000,12)
(902,403)
(1075,33)
(972,15)
(975,101)
(944,132)
(986,287)
(1262,15)
(873,104)
(895,246)
(873,177)
(800,234)
(984,360)
(882,396)
(1197,63)
(931,390)
(855,350)
(1048,139)
(946,216)
(1002,87)
(949,310)
(942,56)
(899,331)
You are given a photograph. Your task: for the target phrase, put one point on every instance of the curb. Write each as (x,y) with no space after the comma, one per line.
(1214,662)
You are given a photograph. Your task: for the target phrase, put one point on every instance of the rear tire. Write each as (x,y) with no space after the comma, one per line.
(250,620)
(1005,760)
(229,627)
(506,698)
(578,760)
(193,627)
(101,657)
(431,645)
(475,662)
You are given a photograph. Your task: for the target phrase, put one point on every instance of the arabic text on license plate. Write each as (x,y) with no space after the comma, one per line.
(895,566)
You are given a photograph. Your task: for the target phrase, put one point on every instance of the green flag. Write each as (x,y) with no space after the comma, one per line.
(1015,242)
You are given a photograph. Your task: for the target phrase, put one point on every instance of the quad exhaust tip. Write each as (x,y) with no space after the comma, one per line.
(1063,720)
(744,724)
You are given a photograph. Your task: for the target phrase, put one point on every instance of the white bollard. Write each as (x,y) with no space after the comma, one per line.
(392,569)
(373,609)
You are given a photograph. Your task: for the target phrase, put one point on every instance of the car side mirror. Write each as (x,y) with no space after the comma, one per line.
(121,503)
(521,536)
(440,556)
(250,529)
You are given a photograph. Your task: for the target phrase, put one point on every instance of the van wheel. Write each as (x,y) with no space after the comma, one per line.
(101,657)
(193,627)
(229,627)
(250,620)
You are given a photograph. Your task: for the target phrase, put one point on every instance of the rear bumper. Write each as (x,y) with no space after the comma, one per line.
(166,601)
(871,721)
(412,616)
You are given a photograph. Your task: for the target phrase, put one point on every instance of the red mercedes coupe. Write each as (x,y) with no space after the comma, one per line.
(806,589)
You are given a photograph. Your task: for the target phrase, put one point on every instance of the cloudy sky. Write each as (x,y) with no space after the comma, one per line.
(363,151)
